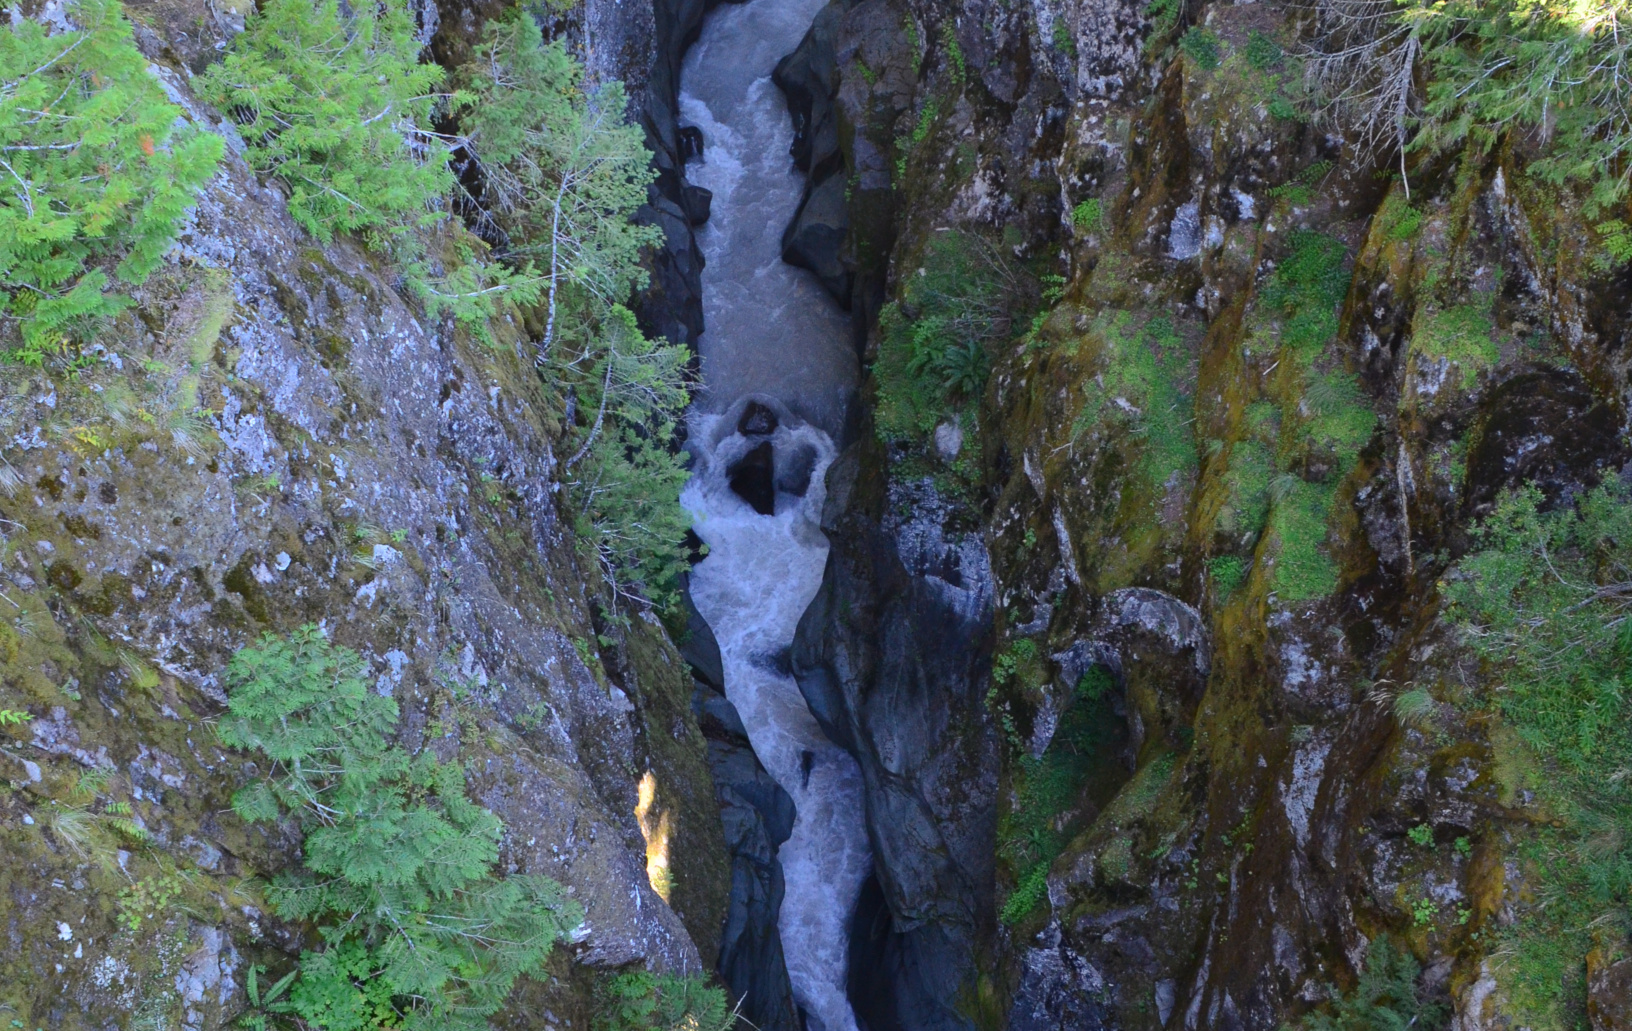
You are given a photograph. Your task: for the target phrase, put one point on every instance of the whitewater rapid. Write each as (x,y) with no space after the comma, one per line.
(760,574)
(772,334)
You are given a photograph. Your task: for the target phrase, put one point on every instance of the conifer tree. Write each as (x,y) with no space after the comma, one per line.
(97,171)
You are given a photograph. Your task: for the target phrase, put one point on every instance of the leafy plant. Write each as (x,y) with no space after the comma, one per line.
(638,1000)
(397,861)
(1421,834)
(1201,46)
(1089,215)
(1262,51)
(99,170)
(1543,602)
(1228,573)
(12,717)
(933,357)
(148,897)
(1385,998)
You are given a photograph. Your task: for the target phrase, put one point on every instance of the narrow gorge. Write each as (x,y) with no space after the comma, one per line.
(815,515)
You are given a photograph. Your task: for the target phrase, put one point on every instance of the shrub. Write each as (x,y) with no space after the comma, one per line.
(1385,999)
(396,861)
(1201,46)
(641,1001)
(1543,601)
(339,108)
(933,355)
(99,172)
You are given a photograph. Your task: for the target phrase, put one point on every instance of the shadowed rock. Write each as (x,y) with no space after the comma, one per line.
(753,478)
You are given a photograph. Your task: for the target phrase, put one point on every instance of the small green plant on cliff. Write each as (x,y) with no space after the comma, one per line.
(954,52)
(1089,216)
(1141,391)
(98,171)
(641,1001)
(933,357)
(397,863)
(1460,335)
(1030,834)
(1385,998)
(1201,46)
(1545,602)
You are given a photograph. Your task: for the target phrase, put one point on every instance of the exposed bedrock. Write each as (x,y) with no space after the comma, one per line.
(891,657)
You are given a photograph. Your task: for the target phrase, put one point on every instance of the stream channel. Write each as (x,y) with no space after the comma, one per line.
(778,373)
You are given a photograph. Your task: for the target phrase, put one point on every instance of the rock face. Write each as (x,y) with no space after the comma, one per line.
(891,656)
(1264,814)
(387,478)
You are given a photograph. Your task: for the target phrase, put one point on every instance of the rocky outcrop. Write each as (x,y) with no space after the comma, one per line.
(891,656)
(385,477)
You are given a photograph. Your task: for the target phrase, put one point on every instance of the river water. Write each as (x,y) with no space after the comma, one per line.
(773,335)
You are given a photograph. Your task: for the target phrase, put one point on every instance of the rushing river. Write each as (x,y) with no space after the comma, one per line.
(773,335)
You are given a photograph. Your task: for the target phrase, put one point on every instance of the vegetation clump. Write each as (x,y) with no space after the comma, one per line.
(397,863)
(1545,602)
(1386,998)
(1030,834)
(1141,390)
(934,357)
(99,171)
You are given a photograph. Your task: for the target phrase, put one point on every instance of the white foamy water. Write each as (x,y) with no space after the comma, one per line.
(769,328)
(771,332)
(760,575)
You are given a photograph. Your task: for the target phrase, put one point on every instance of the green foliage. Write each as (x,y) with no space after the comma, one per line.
(629,480)
(933,356)
(1140,391)
(1201,46)
(1089,215)
(1063,41)
(1559,68)
(1461,335)
(640,1001)
(1228,572)
(564,176)
(339,108)
(99,171)
(147,898)
(1164,15)
(1263,52)
(1251,469)
(1030,834)
(1398,219)
(564,171)
(1303,570)
(1306,289)
(12,717)
(1617,239)
(1544,602)
(397,861)
(954,52)
(1385,999)
(1421,834)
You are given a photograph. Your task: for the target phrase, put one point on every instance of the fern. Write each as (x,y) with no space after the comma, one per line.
(397,861)
(97,175)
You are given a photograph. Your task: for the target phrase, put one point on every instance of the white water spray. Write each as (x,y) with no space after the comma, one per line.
(773,334)
(760,575)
